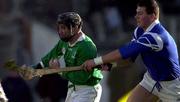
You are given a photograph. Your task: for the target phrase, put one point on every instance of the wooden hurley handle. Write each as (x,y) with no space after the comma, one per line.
(28,72)
(45,71)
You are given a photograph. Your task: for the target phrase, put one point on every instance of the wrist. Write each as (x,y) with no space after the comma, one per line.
(98,60)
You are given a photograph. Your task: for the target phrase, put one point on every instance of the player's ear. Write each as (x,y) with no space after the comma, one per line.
(153,16)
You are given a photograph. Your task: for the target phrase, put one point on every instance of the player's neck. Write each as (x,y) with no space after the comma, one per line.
(75,37)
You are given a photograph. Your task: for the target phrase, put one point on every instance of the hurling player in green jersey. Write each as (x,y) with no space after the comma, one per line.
(73,48)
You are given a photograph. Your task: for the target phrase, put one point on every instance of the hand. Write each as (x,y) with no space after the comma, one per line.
(106,67)
(54,63)
(88,65)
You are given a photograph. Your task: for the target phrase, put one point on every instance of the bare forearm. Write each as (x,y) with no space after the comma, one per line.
(111,57)
(114,56)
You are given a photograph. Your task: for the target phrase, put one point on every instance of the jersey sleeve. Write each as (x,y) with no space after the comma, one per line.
(149,41)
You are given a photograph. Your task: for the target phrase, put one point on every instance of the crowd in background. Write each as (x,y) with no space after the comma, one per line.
(104,21)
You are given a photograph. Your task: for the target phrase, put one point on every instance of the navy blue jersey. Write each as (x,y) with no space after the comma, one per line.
(157,49)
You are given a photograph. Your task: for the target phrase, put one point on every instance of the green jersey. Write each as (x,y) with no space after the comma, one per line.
(75,55)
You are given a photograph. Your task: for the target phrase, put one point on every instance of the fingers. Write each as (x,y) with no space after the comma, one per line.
(84,65)
(88,65)
(105,67)
(54,63)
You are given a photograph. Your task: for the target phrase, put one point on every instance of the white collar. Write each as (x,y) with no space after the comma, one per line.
(82,37)
(152,25)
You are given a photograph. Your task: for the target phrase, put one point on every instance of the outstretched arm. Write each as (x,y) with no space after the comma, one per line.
(111,57)
(107,58)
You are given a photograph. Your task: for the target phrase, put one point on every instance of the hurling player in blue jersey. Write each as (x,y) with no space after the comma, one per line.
(159,53)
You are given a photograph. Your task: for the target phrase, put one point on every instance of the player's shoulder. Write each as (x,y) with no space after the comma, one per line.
(152,39)
(152,36)
(87,43)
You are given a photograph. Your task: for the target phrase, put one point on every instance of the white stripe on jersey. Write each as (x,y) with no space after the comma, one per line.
(135,33)
(42,65)
(156,37)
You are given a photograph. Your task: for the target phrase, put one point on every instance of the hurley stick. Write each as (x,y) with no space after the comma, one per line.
(29,72)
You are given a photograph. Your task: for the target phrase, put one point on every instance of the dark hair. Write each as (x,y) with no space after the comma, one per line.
(150,5)
(69,19)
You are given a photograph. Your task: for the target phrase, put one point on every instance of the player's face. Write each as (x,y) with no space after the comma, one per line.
(64,32)
(143,19)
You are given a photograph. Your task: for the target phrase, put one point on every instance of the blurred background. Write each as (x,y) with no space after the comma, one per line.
(28,32)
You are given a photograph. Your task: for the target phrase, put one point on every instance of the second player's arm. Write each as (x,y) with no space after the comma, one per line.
(115,56)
